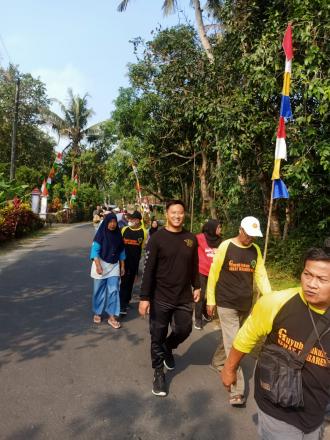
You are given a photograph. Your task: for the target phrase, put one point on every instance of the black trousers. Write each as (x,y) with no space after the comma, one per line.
(179,317)
(126,286)
(200,307)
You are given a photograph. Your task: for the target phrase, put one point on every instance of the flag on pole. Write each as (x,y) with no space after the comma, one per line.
(285,101)
(280,190)
(44,191)
(138,188)
(59,159)
(57,162)
(51,172)
(74,190)
(48,182)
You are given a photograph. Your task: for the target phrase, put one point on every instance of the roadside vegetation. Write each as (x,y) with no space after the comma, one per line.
(199,129)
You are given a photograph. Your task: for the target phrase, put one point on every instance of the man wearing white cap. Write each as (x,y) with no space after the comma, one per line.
(230,287)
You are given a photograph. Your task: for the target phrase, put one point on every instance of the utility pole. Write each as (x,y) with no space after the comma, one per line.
(14,132)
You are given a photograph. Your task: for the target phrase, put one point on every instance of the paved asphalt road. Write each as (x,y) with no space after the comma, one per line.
(63,377)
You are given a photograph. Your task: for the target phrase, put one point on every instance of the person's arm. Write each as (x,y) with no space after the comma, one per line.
(195,279)
(257,325)
(260,275)
(229,371)
(145,235)
(122,257)
(150,262)
(95,255)
(213,277)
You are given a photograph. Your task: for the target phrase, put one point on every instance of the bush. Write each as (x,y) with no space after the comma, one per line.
(18,221)
(80,214)
(287,256)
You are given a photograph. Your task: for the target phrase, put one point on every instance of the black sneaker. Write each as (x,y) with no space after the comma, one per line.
(198,325)
(123,311)
(207,318)
(169,361)
(159,384)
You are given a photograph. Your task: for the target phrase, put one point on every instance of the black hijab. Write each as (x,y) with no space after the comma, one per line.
(208,230)
(111,241)
(152,230)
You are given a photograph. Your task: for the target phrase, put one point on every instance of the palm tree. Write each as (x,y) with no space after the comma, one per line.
(72,124)
(170,6)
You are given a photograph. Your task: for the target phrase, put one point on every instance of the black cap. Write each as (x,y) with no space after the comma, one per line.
(137,215)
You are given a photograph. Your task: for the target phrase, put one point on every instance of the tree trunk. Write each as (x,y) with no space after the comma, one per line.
(75,154)
(186,198)
(288,219)
(207,200)
(201,31)
(73,171)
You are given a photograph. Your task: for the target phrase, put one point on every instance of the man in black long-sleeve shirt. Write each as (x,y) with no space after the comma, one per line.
(170,283)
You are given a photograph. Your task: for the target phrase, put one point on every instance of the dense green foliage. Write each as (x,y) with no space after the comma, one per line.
(208,130)
(34,147)
(17,221)
(204,130)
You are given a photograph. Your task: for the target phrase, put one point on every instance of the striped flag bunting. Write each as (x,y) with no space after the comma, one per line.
(280,190)
(44,190)
(57,162)
(73,198)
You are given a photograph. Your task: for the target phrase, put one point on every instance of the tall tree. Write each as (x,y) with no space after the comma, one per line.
(34,148)
(170,6)
(72,124)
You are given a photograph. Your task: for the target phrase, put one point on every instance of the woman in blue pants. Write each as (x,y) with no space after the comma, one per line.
(108,255)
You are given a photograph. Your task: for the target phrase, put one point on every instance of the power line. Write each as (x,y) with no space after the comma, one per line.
(5,49)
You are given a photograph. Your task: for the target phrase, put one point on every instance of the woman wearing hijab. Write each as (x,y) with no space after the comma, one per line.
(108,255)
(153,228)
(208,241)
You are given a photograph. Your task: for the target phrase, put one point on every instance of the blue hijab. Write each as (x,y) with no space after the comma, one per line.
(111,241)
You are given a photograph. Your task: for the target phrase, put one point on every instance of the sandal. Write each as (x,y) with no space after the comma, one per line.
(238,400)
(114,323)
(97,319)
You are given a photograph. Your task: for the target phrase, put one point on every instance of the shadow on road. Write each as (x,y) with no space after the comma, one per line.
(131,416)
(43,301)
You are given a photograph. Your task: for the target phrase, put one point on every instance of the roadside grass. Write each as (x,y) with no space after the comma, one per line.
(280,280)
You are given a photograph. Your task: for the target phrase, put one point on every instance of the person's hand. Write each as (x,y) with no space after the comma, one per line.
(197,295)
(228,377)
(210,310)
(144,308)
(99,269)
(122,271)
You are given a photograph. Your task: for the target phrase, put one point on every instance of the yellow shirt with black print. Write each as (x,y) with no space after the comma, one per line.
(230,281)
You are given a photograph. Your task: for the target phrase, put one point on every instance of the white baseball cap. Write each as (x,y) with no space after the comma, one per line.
(251,226)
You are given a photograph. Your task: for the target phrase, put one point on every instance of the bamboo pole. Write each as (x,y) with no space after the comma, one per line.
(268,222)
(193,195)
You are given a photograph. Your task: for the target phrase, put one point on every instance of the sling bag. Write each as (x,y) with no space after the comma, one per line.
(280,375)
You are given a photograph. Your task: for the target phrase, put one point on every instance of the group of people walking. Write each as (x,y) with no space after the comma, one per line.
(181,269)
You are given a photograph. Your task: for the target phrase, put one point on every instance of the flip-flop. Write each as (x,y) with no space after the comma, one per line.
(97,319)
(238,400)
(114,324)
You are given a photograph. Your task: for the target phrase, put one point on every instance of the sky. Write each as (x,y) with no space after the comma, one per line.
(80,44)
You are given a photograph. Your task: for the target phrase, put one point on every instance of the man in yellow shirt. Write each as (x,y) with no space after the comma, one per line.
(287,319)
(236,264)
